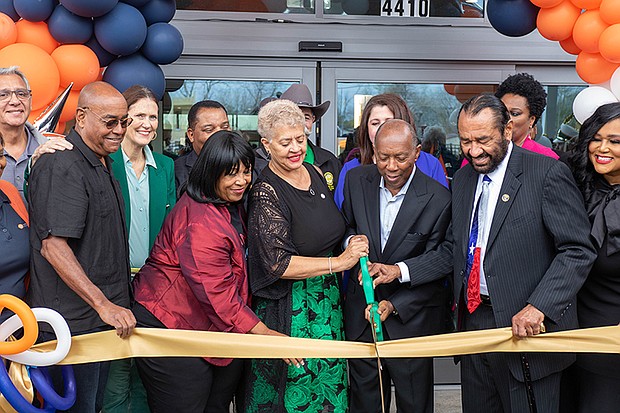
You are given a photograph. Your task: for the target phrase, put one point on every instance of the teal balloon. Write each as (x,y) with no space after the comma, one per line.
(89,8)
(163,44)
(136,69)
(67,27)
(122,31)
(34,10)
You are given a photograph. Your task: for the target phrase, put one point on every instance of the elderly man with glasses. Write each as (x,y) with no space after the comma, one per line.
(79,249)
(21,140)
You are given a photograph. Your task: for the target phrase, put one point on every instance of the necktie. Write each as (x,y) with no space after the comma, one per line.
(475,240)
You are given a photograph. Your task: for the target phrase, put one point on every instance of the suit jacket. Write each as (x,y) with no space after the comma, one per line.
(538,252)
(162,192)
(420,226)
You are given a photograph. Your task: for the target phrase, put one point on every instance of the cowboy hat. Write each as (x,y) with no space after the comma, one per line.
(300,94)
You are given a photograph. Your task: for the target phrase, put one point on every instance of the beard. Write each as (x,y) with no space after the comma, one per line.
(495,157)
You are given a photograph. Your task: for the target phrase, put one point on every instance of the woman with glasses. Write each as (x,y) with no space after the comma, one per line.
(147,184)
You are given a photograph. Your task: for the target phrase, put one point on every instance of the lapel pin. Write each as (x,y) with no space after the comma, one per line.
(505,197)
(20,226)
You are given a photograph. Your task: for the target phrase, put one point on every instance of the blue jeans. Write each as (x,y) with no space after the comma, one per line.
(90,379)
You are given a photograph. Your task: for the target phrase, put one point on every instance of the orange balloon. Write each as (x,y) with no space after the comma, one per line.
(28,319)
(610,11)
(556,23)
(587,30)
(36,33)
(60,128)
(546,3)
(77,63)
(587,4)
(39,68)
(608,43)
(464,92)
(569,46)
(8,31)
(449,88)
(593,68)
(68,111)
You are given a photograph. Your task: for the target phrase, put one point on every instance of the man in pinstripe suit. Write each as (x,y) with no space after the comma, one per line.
(535,255)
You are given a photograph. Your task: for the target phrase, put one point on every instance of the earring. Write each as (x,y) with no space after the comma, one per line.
(154,136)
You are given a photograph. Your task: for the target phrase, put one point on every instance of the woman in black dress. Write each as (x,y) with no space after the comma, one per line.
(595,162)
(294,228)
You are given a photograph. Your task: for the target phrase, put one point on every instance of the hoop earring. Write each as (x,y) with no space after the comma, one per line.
(154,136)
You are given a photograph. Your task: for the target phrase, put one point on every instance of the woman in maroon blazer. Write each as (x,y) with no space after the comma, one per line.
(196,279)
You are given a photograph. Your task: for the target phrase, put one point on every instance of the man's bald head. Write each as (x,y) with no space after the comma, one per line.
(397,128)
(98,94)
(396,151)
(101,118)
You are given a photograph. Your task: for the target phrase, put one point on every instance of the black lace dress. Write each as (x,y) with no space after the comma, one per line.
(285,222)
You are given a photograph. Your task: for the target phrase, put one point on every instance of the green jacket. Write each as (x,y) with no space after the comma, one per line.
(162,191)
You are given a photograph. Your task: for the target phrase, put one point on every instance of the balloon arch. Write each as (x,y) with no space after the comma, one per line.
(55,43)
(589,29)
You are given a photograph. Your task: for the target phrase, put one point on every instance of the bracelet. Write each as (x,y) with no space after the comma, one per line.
(329,260)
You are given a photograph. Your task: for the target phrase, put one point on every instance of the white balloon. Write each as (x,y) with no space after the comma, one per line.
(614,83)
(33,358)
(588,100)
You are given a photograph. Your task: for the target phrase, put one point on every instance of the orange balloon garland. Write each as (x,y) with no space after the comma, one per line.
(594,68)
(587,30)
(569,46)
(610,11)
(609,43)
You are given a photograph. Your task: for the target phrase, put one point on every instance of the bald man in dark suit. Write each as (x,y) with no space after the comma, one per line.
(404,214)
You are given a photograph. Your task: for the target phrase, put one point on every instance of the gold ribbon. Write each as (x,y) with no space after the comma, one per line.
(152,342)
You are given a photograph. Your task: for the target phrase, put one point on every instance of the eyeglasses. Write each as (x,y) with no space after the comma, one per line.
(21,94)
(111,123)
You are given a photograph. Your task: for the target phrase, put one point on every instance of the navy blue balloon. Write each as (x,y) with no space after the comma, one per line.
(105,57)
(136,3)
(163,45)
(6,7)
(67,27)
(34,10)
(513,18)
(136,69)
(89,8)
(122,31)
(158,11)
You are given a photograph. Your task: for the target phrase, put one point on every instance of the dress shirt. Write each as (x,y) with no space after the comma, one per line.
(497,178)
(389,205)
(139,204)
(16,168)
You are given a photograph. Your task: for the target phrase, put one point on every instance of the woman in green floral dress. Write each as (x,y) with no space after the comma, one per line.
(294,227)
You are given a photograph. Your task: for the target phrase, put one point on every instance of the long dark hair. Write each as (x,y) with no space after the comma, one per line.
(396,105)
(220,155)
(579,160)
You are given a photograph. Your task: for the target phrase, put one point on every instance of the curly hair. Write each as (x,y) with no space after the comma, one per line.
(396,105)
(524,84)
(277,114)
(578,159)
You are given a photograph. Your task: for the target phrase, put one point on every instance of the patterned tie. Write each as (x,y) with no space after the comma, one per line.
(475,240)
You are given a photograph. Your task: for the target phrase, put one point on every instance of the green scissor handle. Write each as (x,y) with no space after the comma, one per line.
(369,293)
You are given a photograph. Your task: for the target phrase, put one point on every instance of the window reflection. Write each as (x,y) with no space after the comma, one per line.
(240,98)
(437,105)
(253,6)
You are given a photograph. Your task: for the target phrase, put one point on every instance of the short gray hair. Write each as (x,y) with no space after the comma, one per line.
(277,114)
(14,70)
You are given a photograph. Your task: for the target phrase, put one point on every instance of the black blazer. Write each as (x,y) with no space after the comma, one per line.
(538,252)
(420,226)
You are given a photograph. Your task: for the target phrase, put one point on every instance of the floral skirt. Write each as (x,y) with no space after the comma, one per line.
(321,384)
